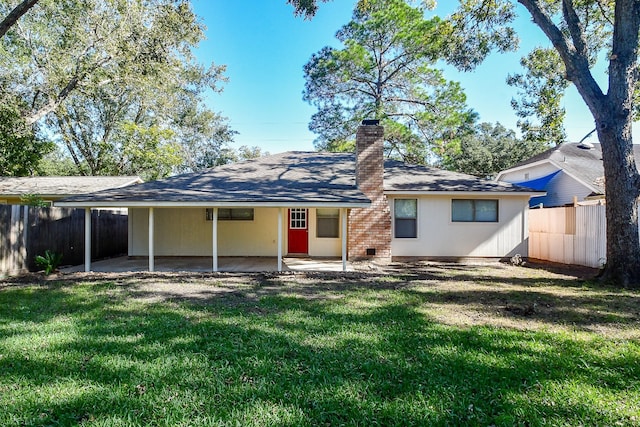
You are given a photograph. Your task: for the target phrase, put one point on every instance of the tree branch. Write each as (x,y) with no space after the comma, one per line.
(575,29)
(53,103)
(604,12)
(577,66)
(71,85)
(13,16)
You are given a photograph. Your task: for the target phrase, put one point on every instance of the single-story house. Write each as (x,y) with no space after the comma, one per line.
(321,204)
(52,188)
(568,172)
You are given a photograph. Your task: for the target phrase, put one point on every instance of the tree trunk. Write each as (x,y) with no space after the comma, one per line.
(623,241)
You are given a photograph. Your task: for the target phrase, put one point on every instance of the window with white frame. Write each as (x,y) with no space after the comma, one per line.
(474,210)
(405,217)
(298,219)
(231,214)
(328,223)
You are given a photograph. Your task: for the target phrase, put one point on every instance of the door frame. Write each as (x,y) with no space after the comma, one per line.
(300,230)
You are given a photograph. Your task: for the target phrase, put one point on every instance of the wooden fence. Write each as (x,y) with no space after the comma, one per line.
(569,235)
(28,231)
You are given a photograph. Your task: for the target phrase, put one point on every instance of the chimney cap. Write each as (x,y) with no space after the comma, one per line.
(371,122)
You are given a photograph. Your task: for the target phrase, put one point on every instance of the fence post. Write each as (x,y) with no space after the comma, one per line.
(17,258)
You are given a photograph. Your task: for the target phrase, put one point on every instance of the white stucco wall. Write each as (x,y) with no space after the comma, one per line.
(185,232)
(438,236)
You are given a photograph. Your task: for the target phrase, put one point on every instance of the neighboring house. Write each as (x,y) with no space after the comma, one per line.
(322,205)
(565,172)
(51,188)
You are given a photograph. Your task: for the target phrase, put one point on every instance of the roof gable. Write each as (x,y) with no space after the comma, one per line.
(583,164)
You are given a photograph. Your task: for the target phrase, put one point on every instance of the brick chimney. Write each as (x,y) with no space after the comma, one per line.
(370,228)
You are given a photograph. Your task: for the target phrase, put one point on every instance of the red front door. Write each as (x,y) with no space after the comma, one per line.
(298,231)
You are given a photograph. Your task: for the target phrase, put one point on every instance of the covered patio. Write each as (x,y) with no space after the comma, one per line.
(249,209)
(203,264)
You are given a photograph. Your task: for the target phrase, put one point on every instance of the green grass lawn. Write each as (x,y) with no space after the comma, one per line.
(446,346)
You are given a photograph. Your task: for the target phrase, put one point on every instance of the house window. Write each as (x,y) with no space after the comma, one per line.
(405,214)
(328,223)
(298,219)
(231,214)
(474,210)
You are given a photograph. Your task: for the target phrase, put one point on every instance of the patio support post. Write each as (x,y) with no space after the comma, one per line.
(214,238)
(343,219)
(151,228)
(25,230)
(87,240)
(279,239)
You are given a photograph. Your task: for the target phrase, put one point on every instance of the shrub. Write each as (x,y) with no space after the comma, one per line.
(50,261)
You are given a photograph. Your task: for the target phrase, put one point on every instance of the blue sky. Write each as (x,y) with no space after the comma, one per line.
(265,47)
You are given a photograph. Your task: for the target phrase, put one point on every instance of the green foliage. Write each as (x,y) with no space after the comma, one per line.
(488,150)
(57,163)
(109,63)
(34,200)
(307,8)
(477,28)
(385,71)
(541,92)
(50,261)
(147,152)
(20,148)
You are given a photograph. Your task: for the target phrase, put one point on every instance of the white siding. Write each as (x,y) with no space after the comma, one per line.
(185,232)
(438,236)
(535,172)
(561,189)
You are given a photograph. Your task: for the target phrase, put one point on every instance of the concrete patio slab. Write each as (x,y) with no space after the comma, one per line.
(204,264)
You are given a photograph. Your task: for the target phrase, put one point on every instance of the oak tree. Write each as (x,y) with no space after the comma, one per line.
(117,83)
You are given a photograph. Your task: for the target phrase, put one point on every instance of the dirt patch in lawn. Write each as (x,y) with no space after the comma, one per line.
(538,296)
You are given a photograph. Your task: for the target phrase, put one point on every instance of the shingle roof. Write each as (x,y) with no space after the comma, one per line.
(584,164)
(290,177)
(61,186)
(399,176)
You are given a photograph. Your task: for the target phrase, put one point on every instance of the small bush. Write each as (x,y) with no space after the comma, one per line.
(50,261)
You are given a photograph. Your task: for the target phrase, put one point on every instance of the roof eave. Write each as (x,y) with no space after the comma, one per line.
(167,204)
(467,193)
